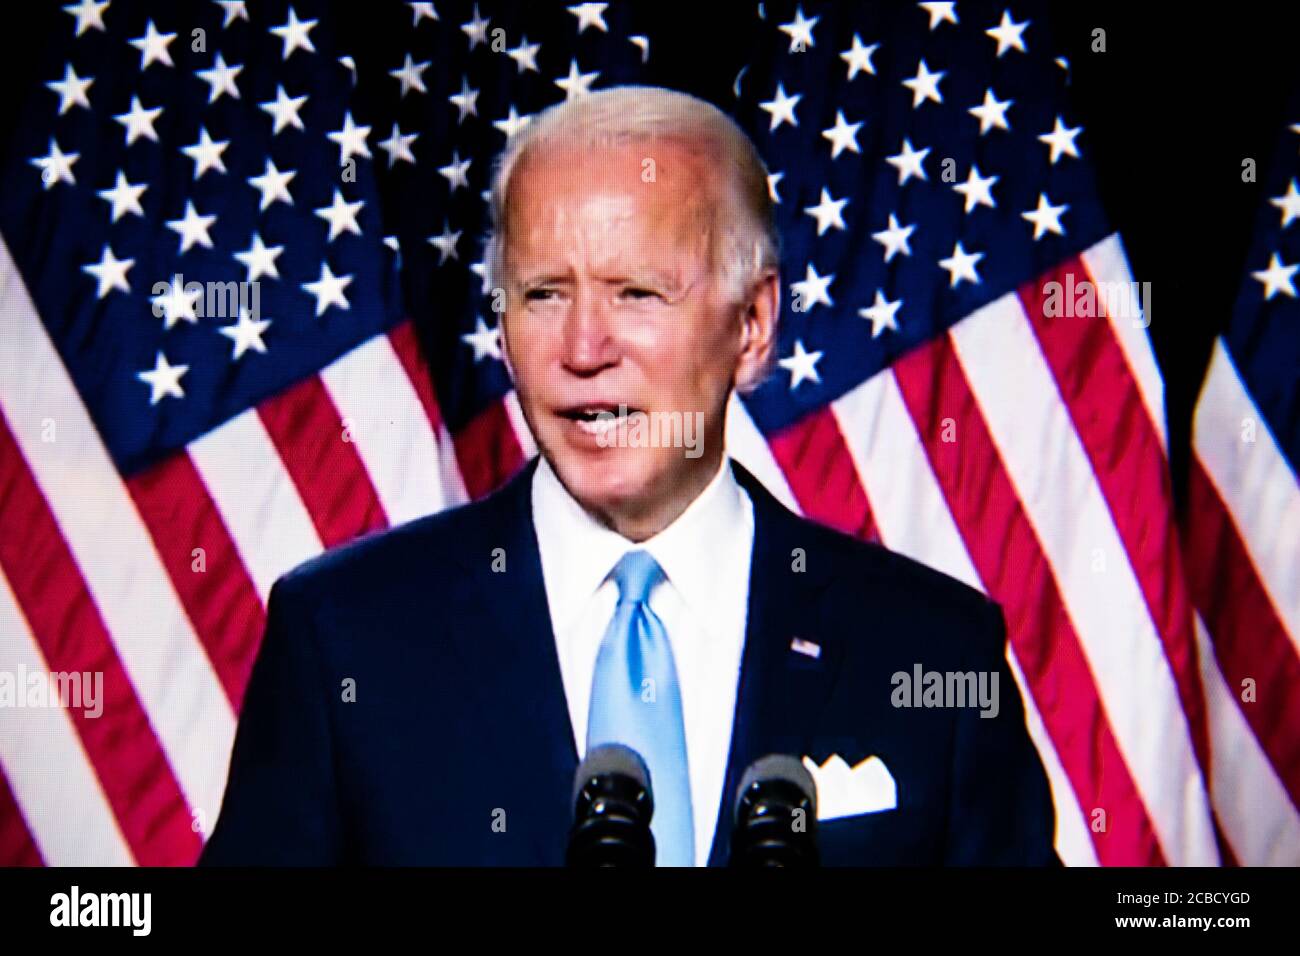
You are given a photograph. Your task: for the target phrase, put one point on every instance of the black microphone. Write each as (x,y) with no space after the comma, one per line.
(776,815)
(613,804)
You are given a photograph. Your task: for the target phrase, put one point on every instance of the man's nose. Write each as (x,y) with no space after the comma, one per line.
(589,342)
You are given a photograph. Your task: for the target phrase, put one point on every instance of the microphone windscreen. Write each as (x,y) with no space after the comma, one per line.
(611,759)
(779,767)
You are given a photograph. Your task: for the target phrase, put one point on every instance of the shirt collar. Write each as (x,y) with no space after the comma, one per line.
(578,552)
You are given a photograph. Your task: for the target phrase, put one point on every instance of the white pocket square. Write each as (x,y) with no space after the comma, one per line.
(844,791)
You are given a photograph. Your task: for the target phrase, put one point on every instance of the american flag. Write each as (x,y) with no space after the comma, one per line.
(164,457)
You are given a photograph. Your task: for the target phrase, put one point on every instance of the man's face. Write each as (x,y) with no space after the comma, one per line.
(611,303)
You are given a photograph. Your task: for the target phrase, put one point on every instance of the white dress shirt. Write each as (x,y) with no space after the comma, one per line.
(703,603)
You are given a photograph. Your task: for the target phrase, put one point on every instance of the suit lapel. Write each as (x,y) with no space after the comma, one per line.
(781,691)
(513,666)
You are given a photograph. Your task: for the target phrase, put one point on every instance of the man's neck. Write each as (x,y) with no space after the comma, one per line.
(641,524)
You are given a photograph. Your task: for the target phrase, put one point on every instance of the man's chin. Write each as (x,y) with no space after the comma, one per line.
(607,485)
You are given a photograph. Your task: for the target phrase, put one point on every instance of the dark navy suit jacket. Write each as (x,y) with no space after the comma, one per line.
(458,748)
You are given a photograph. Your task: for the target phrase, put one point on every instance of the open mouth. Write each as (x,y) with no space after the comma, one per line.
(599,418)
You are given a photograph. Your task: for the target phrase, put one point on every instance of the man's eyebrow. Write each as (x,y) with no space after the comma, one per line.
(544,278)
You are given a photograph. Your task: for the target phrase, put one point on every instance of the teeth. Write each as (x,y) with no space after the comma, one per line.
(598,426)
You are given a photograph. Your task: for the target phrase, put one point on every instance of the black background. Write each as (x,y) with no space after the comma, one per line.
(1181,96)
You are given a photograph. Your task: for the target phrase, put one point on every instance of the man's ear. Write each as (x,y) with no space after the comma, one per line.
(758,320)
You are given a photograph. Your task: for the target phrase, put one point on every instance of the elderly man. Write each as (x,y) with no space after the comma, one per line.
(424,695)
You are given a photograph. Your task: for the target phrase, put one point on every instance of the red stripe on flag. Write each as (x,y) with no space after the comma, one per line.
(821,475)
(219,597)
(17,848)
(407,346)
(331,479)
(120,743)
(1010,560)
(1250,641)
(1128,461)
(487,450)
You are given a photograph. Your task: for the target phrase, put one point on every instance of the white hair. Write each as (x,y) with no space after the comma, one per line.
(746,243)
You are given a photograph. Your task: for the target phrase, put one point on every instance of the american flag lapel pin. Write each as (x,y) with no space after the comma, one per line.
(806,648)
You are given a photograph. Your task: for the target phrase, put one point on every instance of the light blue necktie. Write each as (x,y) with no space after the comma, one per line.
(636,701)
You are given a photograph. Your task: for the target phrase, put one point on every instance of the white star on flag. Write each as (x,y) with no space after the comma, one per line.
(977,189)
(124,197)
(476,29)
(800,31)
(273,185)
(56,166)
(813,289)
(294,33)
(828,213)
(781,107)
(259,259)
(925,85)
(909,162)
(351,139)
(590,15)
(961,266)
(485,341)
(843,135)
(802,365)
(71,89)
(445,243)
(1061,141)
(576,83)
(177,303)
(284,110)
(341,215)
(456,172)
(192,228)
(411,75)
(858,57)
(206,153)
(1046,217)
(466,101)
(246,334)
(153,47)
(89,14)
(163,379)
(422,11)
(221,79)
(1289,203)
(1009,34)
(109,272)
(992,113)
(882,314)
(328,290)
(894,238)
(940,13)
(139,121)
(398,147)
(1277,278)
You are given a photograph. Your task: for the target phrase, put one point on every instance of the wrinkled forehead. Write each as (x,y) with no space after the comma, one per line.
(651,198)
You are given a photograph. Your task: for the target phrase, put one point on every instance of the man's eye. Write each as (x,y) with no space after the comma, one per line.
(539,295)
(639,294)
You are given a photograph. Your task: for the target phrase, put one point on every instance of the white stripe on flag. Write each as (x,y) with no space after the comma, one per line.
(167,665)
(256,498)
(523,434)
(389,429)
(1108,266)
(1046,462)
(1254,809)
(1255,482)
(62,802)
(746,444)
(910,510)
